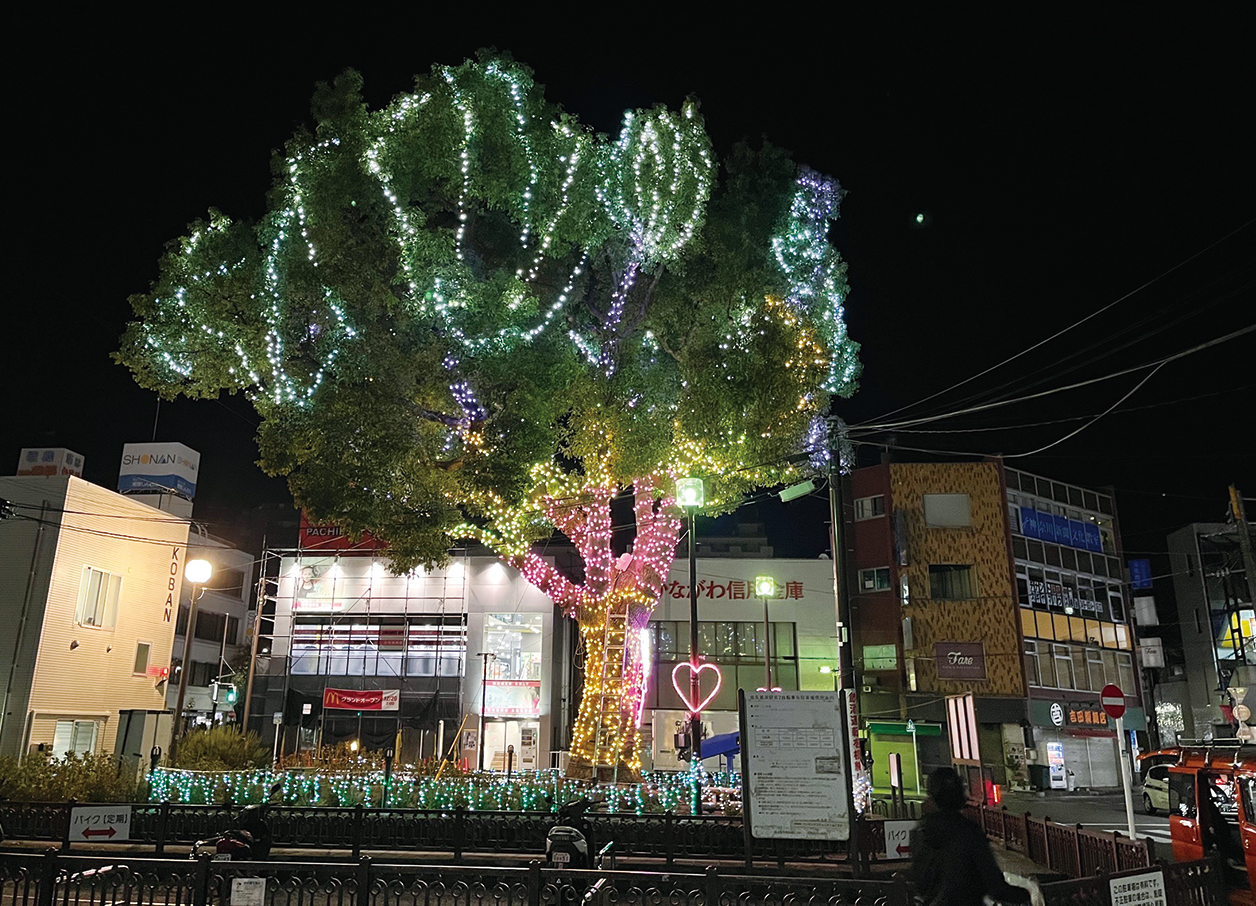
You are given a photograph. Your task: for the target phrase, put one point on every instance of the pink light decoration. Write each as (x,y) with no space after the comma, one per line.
(684,697)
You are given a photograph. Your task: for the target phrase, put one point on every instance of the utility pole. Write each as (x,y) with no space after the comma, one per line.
(483,703)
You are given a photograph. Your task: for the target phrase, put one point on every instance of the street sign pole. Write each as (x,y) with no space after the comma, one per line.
(1123,753)
(1113,700)
(915,752)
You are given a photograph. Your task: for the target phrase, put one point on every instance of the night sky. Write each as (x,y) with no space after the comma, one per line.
(1059,166)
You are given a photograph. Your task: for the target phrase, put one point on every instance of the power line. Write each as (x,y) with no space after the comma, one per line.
(890,426)
(1078,323)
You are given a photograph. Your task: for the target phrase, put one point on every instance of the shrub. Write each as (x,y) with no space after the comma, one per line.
(220,748)
(85,778)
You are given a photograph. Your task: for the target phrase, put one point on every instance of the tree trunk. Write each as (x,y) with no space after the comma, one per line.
(606,742)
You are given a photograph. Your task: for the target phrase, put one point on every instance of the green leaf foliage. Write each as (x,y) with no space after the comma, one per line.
(450,294)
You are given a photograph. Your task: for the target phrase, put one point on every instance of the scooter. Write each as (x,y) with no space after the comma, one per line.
(567,845)
(248,841)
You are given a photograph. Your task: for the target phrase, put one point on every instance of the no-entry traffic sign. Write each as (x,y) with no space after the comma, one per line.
(1113,700)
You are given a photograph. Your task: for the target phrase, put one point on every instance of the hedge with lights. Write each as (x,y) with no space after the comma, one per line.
(542,791)
(466,315)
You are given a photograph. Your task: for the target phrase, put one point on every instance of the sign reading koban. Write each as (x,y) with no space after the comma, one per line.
(796,776)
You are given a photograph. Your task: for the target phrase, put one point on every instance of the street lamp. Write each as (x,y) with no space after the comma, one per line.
(691,495)
(765,588)
(484,701)
(197,572)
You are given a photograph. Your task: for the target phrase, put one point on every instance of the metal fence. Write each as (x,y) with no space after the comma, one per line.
(455,832)
(57,879)
(1070,850)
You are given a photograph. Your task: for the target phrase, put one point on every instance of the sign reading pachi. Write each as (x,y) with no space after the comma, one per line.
(362,699)
(961,660)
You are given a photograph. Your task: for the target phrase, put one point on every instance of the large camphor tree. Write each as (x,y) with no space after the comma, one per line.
(467,316)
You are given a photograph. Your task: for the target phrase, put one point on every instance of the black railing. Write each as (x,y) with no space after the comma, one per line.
(58,879)
(666,837)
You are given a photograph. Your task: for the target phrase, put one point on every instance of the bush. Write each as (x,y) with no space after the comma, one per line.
(220,748)
(85,778)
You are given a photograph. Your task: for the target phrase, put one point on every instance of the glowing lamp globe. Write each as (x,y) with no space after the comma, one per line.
(764,587)
(198,571)
(689,492)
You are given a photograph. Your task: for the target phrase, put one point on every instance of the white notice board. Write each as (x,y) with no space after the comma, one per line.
(1146,889)
(796,778)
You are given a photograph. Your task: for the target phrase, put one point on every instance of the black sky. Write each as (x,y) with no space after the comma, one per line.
(1061,163)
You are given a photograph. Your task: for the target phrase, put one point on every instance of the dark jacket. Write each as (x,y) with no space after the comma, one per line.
(952,864)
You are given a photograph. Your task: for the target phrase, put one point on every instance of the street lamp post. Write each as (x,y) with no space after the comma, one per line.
(483,702)
(197,572)
(690,494)
(765,588)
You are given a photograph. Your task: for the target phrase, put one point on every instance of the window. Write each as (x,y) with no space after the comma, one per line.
(98,598)
(141,658)
(1063,666)
(74,737)
(870,507)
(874,579)
(951,583)
(1182,795)
(947,510)
(1031,662)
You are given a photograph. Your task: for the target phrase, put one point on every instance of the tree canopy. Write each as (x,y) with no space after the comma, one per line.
(464,308)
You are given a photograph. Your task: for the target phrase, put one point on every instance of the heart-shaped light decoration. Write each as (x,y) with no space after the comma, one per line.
(683,691)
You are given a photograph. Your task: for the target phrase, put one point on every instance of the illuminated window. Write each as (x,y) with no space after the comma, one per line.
(74,737)
(98,598)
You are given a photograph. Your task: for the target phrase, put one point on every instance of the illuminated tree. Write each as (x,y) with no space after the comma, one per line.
(467,316)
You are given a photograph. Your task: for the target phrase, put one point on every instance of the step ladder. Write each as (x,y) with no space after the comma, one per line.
(608,732)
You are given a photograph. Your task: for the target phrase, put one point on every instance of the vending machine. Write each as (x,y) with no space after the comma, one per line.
(1055,765)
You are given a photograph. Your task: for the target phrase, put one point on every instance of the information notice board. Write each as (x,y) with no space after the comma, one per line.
(796,781)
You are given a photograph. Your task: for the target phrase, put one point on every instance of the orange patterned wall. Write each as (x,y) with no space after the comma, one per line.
(992,618)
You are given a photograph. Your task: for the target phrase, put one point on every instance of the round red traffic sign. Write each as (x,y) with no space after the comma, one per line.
(1113,700)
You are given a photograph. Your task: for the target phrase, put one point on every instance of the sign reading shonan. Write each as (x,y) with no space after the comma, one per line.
(961,660)
(166,467)
(796,777)
(362,699)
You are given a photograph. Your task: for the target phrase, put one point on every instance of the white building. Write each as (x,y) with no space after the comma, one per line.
(89,590)
(406,661)
(409,652)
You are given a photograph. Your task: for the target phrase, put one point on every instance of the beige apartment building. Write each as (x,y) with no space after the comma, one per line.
(89,594)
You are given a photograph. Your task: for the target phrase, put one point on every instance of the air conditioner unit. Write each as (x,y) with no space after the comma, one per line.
(43,749)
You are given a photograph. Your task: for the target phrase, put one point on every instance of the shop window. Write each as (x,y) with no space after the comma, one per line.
(877,579)
(1125,671)
(74,737)
(99,592)
(1094,667)
(1063,666)
(1020,549)
(1053,554)
(869,507)
(1110,672)
(1029,626)
(142,649)
(1031,663)
(1046,665)
(516,640)
(1036,553)
(1080,676)
(947,510)
(951,582)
